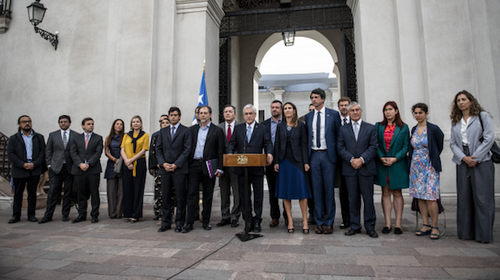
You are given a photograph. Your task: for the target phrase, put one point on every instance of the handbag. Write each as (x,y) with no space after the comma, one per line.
(495,150)
(118,166)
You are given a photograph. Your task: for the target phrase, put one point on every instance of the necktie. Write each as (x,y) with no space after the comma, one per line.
(228,133)
(345,120)
(172,132)
(318,130)
(86,140)
(65,139)
(356,130)
(249,134)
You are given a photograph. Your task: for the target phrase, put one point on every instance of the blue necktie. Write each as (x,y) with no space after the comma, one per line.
(249,134)
(318,130)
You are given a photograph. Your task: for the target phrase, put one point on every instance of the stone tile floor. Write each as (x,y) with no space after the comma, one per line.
(113,249)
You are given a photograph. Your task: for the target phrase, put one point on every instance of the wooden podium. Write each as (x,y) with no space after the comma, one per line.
(245,160)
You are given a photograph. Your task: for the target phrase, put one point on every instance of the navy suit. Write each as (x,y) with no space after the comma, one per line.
(359,181)
(174,151)
(260,139)
(271,181)
(323,166)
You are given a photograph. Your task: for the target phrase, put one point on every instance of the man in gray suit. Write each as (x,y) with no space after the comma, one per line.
(59,164)
(229,180)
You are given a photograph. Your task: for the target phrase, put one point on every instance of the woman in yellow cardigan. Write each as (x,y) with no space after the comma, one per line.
(393,142)
(133,149)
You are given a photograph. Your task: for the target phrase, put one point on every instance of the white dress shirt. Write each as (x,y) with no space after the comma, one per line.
(322,130)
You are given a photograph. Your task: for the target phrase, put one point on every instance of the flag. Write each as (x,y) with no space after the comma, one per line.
(202,96)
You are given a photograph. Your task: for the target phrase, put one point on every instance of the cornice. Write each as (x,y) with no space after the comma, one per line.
(211,7)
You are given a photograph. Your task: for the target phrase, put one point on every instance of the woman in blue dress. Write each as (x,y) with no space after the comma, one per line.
(114,181)
(291,161)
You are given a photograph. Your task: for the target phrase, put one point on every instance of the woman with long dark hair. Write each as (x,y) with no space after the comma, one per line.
(472,137)
(392,165)
(291,161)
(114,187)
(134,146)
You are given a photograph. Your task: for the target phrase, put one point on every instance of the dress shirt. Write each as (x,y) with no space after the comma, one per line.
(200,142)
(229,125)
(67,133)
(322,130)
(463,131)
(28,142)
(359,129)
(250,128)
(342,119)
(172,127)
(273,128)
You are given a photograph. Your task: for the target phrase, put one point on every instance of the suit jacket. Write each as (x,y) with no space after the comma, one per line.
(478,149)
(365,147)
(16,152)
(298,140)
(56,154)
(435,138)
(92,154)
(224,129)
(398,172)
(214,144)
(175,150)
(332,125)
(260,140)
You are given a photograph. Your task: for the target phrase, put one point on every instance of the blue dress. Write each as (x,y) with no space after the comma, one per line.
(114,150)
(291,182)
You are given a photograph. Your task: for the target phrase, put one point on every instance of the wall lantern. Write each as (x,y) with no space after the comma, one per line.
(36,12)
(5,16)
(288,38)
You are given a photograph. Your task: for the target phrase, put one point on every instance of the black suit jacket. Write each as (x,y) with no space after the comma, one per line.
(16,152)
(56,154)
(92,154)
(214,144)
(298,140)
(260,140)
(175,150)
(366,147)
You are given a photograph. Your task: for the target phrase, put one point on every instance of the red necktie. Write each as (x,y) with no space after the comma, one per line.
(86,140)
(229,133)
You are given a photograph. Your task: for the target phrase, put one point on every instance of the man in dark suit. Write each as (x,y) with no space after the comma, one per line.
(272,124)
(357,146)
(173,147)
(26,153)
(86,150)
(343,104)
(322,129)
(250,138)
(59,163)
(205,164)
(228,182)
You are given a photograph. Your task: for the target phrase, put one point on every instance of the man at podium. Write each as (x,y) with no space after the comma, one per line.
(251,138)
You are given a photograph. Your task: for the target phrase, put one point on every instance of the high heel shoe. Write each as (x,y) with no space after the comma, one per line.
(305,231)
(291,230)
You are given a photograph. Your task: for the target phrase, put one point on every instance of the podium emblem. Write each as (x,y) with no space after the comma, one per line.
(242,160)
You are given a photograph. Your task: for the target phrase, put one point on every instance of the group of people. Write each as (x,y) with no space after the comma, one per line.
(304,159)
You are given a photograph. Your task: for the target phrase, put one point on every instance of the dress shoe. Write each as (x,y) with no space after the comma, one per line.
(274,222)
(234,223)
(224,222)
(33,219)
(352,232)
(257,228)
(14,220)
(164,228)
(44,220)
(178,229)
(372,233)
(79,219)
(65,218)
(398,231)
(187,228)
(344,225)
(207,227)
(386,230)
(319,230)
(250,227)
(94,220)
(328,229)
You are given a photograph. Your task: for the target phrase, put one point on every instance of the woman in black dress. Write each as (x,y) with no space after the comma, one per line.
(291,161)
(114,181)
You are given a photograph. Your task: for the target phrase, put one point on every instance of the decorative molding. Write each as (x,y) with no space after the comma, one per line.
(257,75)
(211,7)
(353,4)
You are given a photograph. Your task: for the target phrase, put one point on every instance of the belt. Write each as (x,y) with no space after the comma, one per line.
(198,159)
(320,151)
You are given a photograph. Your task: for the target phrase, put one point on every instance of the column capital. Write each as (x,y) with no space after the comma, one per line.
(211,7)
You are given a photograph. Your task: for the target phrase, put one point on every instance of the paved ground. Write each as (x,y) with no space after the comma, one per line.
(113,249)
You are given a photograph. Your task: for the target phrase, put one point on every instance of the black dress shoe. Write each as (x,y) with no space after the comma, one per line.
(94,220)
(344,225)
(164,228)
(352,232)
(79,219)
(224,222)
(33,219)
(187,228)
(178,229)
(234,223)
(207,227)
(257,228)
(386,230)
(44,220)
(65,218)
(372,233)
(14,220)
(319,230)
(398,231)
